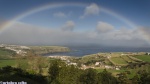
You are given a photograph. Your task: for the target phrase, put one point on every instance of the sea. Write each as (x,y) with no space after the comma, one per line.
(82,51)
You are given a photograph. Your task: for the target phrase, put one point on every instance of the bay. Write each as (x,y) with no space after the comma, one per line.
(82,51)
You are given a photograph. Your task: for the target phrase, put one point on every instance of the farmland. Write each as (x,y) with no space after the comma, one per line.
(145,58)
(118,61)
(6,52)
(127,59)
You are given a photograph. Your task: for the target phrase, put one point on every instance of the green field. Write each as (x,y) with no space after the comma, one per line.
(145,58)
(114,72)
(135,59)
(6,52)
(14,62)
(127,59)
(2,52)
(8,62)
(118,61)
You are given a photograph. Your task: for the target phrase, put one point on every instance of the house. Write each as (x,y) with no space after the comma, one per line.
(117,68)
(83,66)
(108,67)
(75,64)
(24,47)
(97,63)
(148,53)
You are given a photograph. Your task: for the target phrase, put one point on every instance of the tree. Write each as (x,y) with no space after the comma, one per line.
(9,73)
(53,71)
(136,79)
(122,78)
(144,77)
(69,74)
(106,77)
(89,76)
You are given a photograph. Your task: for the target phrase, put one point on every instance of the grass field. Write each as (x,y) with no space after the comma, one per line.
(118,61)
(13,62)
(135,59)
(114,72)
(5,52)
(145,58)
(126,58)
(8,62)
(116,54)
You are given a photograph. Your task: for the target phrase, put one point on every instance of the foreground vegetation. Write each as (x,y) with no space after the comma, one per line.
(60,73)
(35,69)
(7,62)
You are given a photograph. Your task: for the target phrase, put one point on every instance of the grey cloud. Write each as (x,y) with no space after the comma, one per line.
(69,26)
(103,27)
(145,31)
(25,34)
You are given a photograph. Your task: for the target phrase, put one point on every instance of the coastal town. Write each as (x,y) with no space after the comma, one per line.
(16,48)
(27,58)
(108,60)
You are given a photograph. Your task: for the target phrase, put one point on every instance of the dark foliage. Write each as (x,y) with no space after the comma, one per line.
(9,73)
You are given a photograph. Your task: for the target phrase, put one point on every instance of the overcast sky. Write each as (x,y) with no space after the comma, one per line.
(120,23)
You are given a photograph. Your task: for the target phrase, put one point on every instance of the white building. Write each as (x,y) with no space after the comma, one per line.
(97,63)
(75,64)
(117,69)
(148,53)
(24,47)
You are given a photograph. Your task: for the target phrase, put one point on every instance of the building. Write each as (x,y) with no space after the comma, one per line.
(148,53)
(97,63)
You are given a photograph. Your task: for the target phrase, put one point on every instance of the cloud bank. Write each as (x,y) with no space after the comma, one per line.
(21,33)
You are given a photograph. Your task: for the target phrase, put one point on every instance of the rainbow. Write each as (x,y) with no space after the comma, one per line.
(54,5)
(8,24)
